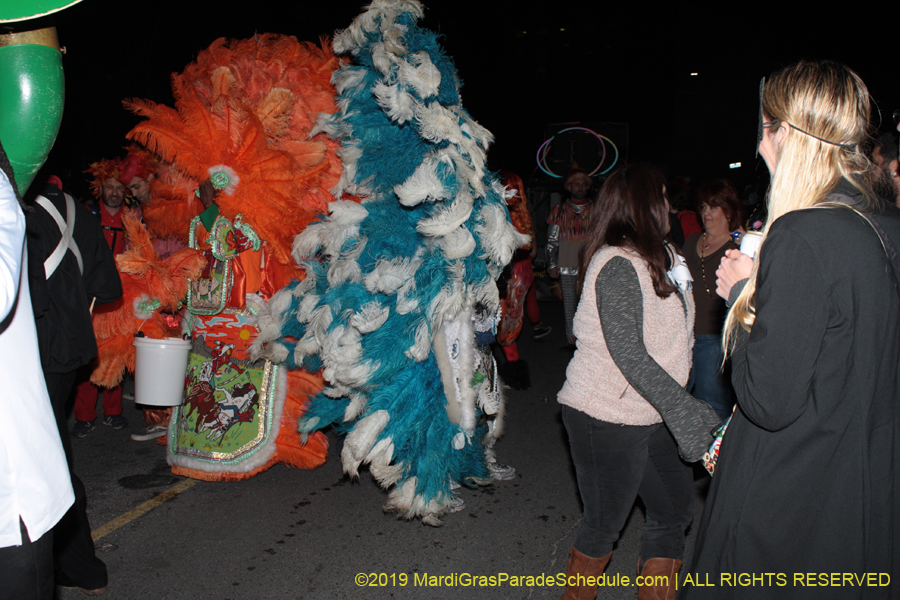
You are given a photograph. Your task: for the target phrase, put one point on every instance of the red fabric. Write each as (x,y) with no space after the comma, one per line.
(511,352)
(531,305)
(108,220)
(690,224)
(86,401)
(521,278)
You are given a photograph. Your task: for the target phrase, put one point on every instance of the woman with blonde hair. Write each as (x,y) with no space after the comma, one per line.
(805,484)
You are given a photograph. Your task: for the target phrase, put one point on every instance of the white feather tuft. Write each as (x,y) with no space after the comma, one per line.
(399,104)
(406,298)
(359,442)
(370,317)
(449,218)
(308,242)
(355,407)
(498,236)
(438,124)
(421,348)
(458,244)
(421,74)
(346,267)
(388,276)
(423,184)
(307,306)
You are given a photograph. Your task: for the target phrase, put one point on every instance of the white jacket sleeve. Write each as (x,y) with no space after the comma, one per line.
(12,238)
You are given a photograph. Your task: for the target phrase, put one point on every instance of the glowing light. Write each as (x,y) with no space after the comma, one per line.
(694,74)
(544,150)
(736,165)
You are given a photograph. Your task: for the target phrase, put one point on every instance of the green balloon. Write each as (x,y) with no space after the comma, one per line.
(18,10)
(32,93)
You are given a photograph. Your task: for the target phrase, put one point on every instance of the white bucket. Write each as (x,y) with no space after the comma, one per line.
(159,370)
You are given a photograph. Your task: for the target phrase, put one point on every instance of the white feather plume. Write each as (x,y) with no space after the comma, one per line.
(359,442)
(370,317)
(448,218)
(421,348)
(420,73)
(399,104)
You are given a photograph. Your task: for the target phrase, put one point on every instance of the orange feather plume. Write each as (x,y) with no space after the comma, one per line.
(173,205)
(144,278)
(250,105)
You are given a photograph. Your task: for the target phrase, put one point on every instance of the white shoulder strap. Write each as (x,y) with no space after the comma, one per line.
(66,227)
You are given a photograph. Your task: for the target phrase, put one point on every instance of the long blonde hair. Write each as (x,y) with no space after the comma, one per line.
(826,108)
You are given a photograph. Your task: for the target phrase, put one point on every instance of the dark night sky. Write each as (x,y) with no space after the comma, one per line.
(522,68)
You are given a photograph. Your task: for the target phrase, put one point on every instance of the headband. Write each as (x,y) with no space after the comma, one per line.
(844,146)
(762,124)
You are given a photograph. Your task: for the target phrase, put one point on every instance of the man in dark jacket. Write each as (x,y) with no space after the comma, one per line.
(70,267)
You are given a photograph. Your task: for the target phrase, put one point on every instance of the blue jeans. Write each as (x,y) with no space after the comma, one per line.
(708,382)
(614,465)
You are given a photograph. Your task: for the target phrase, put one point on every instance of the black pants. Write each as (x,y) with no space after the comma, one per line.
(73,547)
(617,463)
(27,569)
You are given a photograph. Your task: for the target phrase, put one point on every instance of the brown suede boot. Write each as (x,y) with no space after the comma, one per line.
(663,572)
(579,564)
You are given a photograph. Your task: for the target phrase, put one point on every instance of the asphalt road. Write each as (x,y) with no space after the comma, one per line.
(317,534)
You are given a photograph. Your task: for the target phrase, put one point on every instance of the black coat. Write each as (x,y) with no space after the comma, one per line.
(61,304)
(809,468)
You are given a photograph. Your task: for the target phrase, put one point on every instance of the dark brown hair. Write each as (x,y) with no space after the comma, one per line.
(723,194)
(631,213)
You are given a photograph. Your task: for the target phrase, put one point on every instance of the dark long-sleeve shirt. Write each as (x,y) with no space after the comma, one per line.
(62,303)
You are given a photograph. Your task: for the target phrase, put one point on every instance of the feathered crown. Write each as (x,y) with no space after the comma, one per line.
(102,170)
(138,163)
(243,116)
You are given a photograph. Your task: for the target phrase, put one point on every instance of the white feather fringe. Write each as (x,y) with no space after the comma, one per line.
(359,442)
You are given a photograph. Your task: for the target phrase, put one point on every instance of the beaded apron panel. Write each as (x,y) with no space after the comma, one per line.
(229,399)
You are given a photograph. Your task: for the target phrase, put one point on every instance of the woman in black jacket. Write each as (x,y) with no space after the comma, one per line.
(803,503)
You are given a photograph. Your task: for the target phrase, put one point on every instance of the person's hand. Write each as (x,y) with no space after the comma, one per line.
(553,273)
(734,267)
(207,194)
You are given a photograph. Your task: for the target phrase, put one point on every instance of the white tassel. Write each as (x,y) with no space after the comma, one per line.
(466,371)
